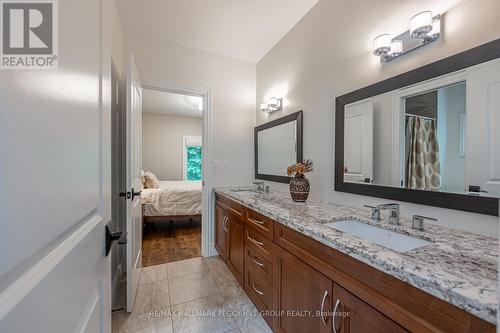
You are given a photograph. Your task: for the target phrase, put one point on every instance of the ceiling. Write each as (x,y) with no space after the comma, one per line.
(160,102)
(240,29)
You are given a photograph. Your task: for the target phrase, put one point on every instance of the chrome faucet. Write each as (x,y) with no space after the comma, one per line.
(418,221)
(262,188)
(393,212)
(375,212)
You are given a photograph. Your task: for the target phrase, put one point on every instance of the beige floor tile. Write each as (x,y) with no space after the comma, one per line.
(153,273)
(185,267)
(144,323)
(190,287)
(151,296)
(257,325)
(221,273)
(205,315)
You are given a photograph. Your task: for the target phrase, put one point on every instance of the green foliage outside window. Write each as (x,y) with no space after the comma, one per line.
(193,163)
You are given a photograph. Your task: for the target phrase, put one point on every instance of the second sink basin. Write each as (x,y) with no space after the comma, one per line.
(390,239)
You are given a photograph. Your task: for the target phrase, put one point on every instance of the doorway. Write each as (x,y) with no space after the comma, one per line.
(172,162)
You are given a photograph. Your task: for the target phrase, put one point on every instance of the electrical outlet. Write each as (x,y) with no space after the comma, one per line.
(216,164)
(227,165)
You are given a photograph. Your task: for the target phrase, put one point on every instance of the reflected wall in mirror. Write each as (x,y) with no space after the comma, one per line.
(278,144)
(428,136)
(430,139)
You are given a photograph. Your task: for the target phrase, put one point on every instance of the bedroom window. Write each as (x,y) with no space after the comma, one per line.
(192,160)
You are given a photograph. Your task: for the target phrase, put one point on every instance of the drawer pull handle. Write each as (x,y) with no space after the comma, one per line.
(256,242)
(257,221)
(335,315)
(256,262)
(225,224)
(325,295)
(256,290)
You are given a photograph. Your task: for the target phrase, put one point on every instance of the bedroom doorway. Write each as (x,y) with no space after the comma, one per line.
(174,149)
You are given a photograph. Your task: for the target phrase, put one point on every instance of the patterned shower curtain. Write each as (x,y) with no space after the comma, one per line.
(422,150)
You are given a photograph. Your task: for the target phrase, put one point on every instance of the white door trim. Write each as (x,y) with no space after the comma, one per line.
(398,119)
(207,240)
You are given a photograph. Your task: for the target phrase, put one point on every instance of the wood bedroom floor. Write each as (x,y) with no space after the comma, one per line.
(165,242)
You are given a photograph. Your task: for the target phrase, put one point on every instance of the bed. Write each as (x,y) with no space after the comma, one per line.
(172,200)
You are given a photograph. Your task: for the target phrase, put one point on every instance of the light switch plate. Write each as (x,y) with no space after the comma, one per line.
(227,165)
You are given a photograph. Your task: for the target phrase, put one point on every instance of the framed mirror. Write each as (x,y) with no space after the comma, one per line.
(278,144)
(429,136)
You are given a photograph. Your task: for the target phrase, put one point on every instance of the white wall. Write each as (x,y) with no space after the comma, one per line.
(232,83)
(314,63)
(451,103)
(162,143)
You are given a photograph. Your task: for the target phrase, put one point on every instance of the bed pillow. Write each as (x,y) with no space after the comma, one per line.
(150,180)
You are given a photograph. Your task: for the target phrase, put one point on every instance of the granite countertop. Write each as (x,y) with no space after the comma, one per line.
(458,267)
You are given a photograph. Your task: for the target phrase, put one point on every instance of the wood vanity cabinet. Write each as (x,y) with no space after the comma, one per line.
(229,236)
(300,278)
(304,297)
(220,232)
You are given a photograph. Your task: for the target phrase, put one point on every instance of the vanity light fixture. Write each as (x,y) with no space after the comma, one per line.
(424,29)
(421,24)
(396,48)
(273,104)
(382,45)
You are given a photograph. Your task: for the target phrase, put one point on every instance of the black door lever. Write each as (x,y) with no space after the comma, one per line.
(135,194)
(111,237)
(125,194)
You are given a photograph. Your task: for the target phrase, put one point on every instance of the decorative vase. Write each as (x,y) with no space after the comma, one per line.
(299,188)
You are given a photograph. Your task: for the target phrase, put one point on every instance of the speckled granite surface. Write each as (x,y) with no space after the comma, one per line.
(458,267)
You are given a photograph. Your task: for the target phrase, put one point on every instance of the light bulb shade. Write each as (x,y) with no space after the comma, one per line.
(396,47)
(382,45)
(436,29)
(273,102)
(421,24)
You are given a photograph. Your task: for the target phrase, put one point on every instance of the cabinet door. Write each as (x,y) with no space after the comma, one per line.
(352,315)
(304,295)
(235,248)
(220,232)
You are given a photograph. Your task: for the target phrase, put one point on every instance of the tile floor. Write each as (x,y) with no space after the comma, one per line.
(194,295)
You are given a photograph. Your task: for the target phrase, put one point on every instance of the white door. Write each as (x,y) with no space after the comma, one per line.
(482,127)
(358,142)
(134,183)
(55,183)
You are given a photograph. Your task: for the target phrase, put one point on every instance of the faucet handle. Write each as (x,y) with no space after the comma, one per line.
(375,211)
(418,221)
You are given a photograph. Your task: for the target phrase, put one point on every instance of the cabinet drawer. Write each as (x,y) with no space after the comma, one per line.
(259,287)
(230,205)
(257,263)
(260,243)
(260,223)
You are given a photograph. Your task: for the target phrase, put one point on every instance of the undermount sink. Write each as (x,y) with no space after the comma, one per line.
(390,239)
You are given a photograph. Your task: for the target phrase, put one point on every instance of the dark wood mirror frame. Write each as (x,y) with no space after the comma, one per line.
(463,202)
(280,121)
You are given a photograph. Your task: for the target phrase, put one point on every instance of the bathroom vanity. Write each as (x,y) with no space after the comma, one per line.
(299,269)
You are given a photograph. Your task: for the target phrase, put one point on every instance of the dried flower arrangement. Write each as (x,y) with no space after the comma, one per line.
(300,168)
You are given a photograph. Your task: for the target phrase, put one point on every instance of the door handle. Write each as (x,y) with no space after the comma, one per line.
(257,262)
(135,194)
(257,290)
(126,195)
(335,315)
(325,295)
(111,236)
(256,242)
